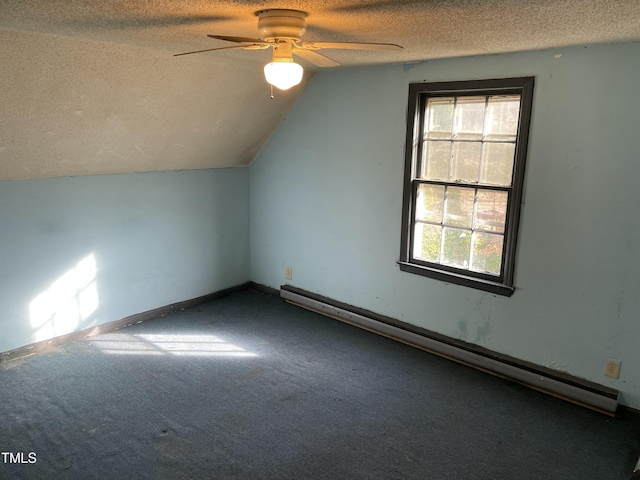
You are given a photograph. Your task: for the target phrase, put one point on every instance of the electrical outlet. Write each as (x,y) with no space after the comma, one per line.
(288,273)
(612,368)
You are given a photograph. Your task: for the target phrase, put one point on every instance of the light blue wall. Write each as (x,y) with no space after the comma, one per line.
(155,239)
(326,196)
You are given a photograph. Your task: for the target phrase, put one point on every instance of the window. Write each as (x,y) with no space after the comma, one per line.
(464,172)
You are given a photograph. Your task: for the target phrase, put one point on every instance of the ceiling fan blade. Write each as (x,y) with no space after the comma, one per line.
(315,58)
(237,39)
(246,47)
(351,45)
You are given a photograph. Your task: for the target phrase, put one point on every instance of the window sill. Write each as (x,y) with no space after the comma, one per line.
(477,283)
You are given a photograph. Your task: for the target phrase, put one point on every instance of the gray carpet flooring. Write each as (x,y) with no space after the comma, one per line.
(249,387)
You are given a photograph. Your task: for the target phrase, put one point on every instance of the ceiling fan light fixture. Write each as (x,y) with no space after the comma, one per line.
(283,74)
(281,30)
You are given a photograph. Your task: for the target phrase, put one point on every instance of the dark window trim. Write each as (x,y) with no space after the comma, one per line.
(418,94)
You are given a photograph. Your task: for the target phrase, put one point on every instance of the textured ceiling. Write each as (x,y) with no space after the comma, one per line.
(91,87)
(426,29)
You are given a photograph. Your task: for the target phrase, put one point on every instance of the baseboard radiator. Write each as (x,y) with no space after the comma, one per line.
(587,394)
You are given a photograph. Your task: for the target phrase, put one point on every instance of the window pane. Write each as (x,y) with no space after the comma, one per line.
(487,253)
(455,247)
(430,203)
(491,211)
(468,118)
(439,118)
(427,241)
(497,163)
(459,207)
(465,162)
(501,122)
(436,166)
(466,144)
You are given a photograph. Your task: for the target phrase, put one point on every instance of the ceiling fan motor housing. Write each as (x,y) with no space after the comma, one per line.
(281,25)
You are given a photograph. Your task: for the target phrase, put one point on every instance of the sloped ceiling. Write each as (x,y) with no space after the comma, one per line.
(93,87)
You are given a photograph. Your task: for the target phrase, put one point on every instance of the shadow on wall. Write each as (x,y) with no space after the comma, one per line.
(67,305)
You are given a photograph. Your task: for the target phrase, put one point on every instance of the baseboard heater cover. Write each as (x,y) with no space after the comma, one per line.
(605,401)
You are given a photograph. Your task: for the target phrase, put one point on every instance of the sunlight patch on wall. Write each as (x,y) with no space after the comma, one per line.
(69,300)
(168,344)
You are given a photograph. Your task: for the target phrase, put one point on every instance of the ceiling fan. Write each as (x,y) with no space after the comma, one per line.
(282,30)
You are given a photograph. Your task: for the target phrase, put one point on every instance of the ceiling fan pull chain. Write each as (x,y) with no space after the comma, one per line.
(271,91)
